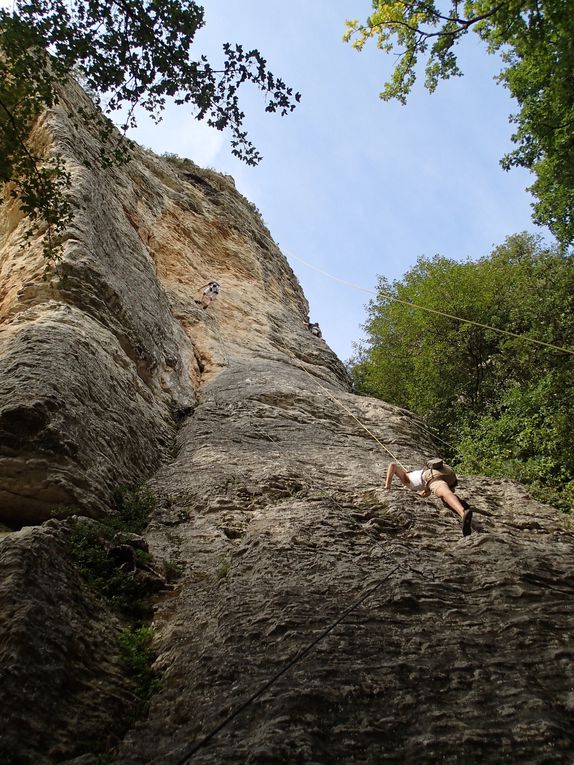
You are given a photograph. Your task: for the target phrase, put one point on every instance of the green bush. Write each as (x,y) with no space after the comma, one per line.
(137,657)
(89,543)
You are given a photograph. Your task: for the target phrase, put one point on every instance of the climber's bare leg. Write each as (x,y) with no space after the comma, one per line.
(394,469)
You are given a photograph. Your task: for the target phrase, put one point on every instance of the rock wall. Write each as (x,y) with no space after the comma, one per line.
(61,682)
(319,618)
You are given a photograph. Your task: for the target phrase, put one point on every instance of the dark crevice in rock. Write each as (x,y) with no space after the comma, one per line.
(200,180)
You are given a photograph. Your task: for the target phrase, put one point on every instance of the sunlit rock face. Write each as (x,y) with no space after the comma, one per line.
(430,647)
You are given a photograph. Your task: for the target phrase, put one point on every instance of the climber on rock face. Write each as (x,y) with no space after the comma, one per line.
(207,294)
(314,329)
(438,478)
(413,480)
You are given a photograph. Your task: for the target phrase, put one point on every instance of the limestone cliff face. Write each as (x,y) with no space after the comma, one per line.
(429,646)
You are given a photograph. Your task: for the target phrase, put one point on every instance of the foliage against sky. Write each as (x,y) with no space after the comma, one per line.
(502,403)
(129,53)
(536,41)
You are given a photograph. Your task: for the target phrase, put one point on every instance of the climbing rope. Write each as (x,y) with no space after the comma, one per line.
(339,403)
(346,409)
(302,653)
(291,663)
(433,310)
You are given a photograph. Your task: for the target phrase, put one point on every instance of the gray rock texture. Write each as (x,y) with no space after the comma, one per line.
(454,649)
(319,618)
(61,683)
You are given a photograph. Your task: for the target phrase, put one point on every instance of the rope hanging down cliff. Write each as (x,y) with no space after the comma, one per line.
(291,663)
(348,411)
(303,652)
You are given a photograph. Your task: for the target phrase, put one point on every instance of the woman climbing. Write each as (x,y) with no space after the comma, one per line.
(438,478)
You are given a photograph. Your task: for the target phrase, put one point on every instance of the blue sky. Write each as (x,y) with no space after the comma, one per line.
(350,183)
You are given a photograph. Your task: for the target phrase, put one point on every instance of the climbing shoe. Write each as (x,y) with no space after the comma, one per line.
(467,522)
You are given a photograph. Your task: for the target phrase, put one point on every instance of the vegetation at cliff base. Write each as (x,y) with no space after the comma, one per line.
(97,548)
(128,54)
(535,39)
(503,404)
(114,561)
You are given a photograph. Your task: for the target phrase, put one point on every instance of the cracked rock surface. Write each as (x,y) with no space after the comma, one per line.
(442,648)
(318,618)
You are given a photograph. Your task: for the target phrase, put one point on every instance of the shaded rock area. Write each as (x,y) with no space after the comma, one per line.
(318,618)
(62,687)
(63,440)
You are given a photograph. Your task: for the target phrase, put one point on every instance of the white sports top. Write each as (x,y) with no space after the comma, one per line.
(416,480)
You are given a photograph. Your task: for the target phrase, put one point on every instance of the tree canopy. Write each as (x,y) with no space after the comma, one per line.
(535,39)
(501,404)
(128,53)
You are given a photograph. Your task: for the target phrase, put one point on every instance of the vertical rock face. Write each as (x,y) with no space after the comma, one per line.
(319,618)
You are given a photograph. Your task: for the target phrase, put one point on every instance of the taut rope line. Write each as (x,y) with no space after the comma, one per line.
(433,310)
(346,409)
(294,660)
